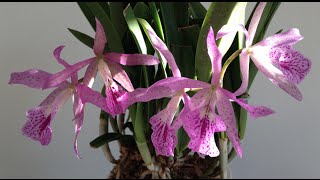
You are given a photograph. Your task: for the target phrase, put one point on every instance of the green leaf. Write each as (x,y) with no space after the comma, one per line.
(174,15)
(218,14)
(190,36)
(135,29)
(185,60)
(106,7)
(106,138)
(114,41)
(88,14)
(141,10)
(197,10)
(117,18)
(85,39)
(157,21)
(183,140)
(267,15)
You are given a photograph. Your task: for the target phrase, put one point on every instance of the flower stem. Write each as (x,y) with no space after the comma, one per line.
(227,63)
(223,142)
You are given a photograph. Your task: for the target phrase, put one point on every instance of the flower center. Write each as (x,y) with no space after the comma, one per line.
(249,50)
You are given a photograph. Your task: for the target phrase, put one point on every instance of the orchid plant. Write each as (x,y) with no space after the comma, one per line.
(171,85)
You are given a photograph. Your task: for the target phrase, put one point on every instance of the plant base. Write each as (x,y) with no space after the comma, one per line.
(131,166)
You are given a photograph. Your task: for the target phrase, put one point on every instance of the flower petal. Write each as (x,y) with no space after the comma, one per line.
(255,21)
(291,62)
(33,78)
(131,59)
(231,30)
(162,88)
(100,39)
(88,95)
(61,76)
(163,136)
(289,37)
(244,67)
(90,74)
(260,58)
(57,54)
(215,57)
(226,112)
(201,132)
(113,92)
(120,76)
(37,125)
(200,99)
(160,46)
(254,111)
(78,124)
(39,118)
(55,93)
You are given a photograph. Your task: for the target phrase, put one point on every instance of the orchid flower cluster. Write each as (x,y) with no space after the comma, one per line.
(207,112)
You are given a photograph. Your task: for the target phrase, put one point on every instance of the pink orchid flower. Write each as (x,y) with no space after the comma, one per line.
(201,121)
(198,117)
(108,65)
(274,56)
(39,118)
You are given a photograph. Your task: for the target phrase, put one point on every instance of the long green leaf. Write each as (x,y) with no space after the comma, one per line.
(85,39)
(106,7)
(106,138)
(185,60)
(114,41)
(117,18)
(141,10)
(174,15)
(135,29)
(218,14)
(87,13)
(197,10)
(157,20)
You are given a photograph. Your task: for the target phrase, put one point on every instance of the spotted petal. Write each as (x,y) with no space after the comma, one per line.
(291,62)
(254,111)
(61,76)
(37,126)
(200,99)
(33,78)
(88,95)
(260,59)
(201,132)
(113,92)
(226,112)
(163,136)
(39,118)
